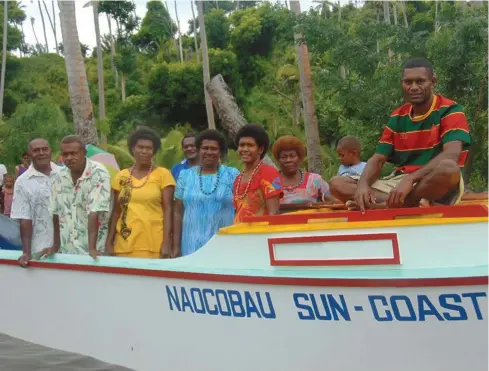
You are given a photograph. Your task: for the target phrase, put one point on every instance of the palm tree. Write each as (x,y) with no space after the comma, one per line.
(81,104)
(315,162)
(43,27)
(52,22)
(195,31)
(179,33)
(205,65)
(35,35)
(100,66)
(4,55)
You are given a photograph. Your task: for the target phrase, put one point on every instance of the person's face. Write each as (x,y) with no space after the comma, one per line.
(347,157)
(8,180)
(248,150)
(25,160)
(189,149)
(40,153)
(143,151)
(74,156)
(209,153)
(417,85)
(289,162)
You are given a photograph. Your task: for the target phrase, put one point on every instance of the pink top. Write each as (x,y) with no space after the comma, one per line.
(7,202)
(310,190)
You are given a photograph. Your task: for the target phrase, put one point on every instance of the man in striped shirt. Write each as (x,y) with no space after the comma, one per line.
(426,139)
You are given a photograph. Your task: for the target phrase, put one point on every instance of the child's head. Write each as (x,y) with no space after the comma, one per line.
(8,181)
(348,150)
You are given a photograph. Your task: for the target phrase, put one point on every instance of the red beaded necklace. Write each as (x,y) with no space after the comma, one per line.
(238,183)
(145,178)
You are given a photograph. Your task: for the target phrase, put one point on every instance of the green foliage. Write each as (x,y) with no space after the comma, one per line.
(156,26)
(41,119)
(356,64)
(217,29)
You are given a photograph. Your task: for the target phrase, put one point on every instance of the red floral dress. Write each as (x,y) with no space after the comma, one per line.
(265,184)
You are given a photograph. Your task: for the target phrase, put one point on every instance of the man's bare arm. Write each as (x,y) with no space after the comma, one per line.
(26,235)
(371,173)
(451,151)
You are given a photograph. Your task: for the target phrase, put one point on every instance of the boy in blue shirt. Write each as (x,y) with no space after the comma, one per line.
(348,150)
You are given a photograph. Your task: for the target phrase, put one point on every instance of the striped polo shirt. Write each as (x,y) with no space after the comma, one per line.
(411,142)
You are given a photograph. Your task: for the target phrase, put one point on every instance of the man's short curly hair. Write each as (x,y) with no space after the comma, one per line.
(258,133)
(289,143)
(144,133)
(214,135)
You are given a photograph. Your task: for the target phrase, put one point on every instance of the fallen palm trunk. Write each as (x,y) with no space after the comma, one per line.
(229,113)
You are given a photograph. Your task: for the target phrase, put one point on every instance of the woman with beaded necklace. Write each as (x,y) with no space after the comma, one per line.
(257,190)
(299,186)
(141,222)
(204,196)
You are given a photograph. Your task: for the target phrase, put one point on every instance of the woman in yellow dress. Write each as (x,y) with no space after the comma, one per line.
(140,224)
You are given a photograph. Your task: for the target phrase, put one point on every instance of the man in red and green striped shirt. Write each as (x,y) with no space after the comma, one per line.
(426,139)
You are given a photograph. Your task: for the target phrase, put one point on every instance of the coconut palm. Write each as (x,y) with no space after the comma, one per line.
(81,104)
(315,162)
(205,65)
(4,55)
(43,27)
(52,22)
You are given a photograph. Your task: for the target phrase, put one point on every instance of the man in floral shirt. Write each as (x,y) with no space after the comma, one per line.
(80,202)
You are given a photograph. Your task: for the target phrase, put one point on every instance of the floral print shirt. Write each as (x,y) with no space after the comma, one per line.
(74,202)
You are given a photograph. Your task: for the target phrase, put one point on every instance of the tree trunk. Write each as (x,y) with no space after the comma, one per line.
(387,12)
(53,25)
(403,5)
(205,65)
(22,40)
(123,87)
(4,56)
(231,117)
(394,6)
(315,161)
(179,34)
(81,104)
(339,10)
(34,32)
(43,27)
(100,69)
(112,53)
(195,32)
(437,23)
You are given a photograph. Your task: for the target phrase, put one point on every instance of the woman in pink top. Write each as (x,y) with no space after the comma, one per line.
(299,186)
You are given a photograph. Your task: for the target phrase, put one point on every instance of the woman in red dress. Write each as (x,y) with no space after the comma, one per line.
(257,190)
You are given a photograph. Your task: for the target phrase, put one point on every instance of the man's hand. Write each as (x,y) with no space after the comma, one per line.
(46,252)
(364,197)
(24,260)
(165,251)
(399,193)
(94,253)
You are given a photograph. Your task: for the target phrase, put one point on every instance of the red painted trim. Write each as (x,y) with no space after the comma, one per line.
(458,211)
(394,260)
(260,280)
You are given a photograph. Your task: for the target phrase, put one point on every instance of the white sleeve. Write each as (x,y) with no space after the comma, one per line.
(21,206)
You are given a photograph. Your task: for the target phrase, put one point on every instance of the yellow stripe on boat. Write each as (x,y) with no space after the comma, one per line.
(264,227)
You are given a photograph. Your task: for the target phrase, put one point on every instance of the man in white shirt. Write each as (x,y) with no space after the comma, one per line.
(32,195)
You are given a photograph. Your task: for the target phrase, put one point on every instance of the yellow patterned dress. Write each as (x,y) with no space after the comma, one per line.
(139,231)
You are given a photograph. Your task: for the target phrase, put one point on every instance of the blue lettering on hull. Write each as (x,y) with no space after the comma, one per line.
(330,307)
(227,303)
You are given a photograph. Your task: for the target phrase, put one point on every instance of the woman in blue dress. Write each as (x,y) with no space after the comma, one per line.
(204,196)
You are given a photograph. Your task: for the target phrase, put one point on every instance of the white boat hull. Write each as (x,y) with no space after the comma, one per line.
(153,323)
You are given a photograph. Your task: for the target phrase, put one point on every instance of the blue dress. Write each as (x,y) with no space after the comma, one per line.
(204,214)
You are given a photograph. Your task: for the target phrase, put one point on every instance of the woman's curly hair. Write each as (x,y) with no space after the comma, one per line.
(289,143)
(145,133)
